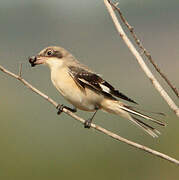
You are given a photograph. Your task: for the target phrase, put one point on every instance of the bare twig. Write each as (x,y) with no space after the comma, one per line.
(20,70)
(141,62)
(98,128)
(144,51)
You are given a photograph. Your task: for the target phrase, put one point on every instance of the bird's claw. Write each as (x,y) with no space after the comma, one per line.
(87,123)
(60,108)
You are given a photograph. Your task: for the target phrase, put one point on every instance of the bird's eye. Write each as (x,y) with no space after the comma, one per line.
(49,52)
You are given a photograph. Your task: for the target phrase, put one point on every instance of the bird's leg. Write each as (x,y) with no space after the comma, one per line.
(87,123)
(61,106)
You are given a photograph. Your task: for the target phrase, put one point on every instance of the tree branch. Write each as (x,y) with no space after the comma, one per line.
(98,128)
(144,51)
(141,62)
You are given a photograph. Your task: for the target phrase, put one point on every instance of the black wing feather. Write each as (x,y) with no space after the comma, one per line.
(92,80)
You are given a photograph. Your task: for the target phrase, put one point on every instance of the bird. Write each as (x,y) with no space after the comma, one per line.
(87,90)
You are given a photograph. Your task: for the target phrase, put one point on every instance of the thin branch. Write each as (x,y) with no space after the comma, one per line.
(141,62)
(144,51)
(98,128)
(20,70)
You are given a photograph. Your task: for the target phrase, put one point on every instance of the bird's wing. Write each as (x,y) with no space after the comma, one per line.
(85,78)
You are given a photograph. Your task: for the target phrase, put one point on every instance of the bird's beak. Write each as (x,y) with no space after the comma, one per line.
(35,60)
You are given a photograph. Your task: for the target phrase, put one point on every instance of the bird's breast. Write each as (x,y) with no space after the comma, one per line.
(83,99)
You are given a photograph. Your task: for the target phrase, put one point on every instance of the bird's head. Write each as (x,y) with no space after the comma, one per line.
(51,56)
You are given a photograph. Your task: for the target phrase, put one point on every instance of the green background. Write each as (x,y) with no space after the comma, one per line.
(36,144)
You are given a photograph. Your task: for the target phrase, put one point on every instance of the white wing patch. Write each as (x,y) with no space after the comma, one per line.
(104,88)
(84,81)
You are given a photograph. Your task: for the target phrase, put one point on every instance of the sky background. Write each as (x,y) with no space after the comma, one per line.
(35,143)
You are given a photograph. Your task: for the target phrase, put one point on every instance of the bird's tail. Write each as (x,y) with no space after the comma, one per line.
(117,107)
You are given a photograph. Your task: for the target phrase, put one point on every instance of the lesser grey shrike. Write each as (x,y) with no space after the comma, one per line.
(86,90)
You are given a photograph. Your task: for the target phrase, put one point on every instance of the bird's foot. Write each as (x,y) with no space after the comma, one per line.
(61,106)
(87,123)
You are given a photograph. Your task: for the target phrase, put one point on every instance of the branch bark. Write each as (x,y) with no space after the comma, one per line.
(141,62)
(144,51)
(98,128)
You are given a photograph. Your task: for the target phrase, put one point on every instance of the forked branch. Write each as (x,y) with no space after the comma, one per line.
(98,128)
(141,62)
(144,51)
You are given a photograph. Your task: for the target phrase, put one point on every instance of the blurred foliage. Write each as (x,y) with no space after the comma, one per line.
(36,143)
